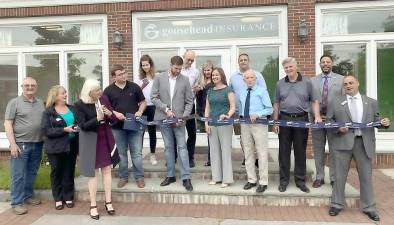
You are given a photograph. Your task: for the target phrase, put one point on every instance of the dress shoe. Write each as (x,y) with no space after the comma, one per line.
(168,181)
(59,206)
(317,183)
(187,184)
(261,188)
(256,163)
(94,216)
(372,215)
(282,188)
(334,211)
(243,164)
(69,204)
(207,163)
(249,185)
(332,183)
(109,211)
(191,163)
(122,183)
(140,183)
(303,188)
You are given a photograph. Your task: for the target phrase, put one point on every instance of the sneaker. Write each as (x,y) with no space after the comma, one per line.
(153,159)
(19,210)
(33,201)
(122,183)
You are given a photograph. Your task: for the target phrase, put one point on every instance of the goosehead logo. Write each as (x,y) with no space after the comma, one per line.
(151,32)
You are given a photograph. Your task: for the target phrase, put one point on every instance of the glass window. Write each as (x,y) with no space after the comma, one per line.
(372,21)
(89,33)
(82,66)
(349,59)
(266,61)
(45,69)
(8,82)
(385,56)
(161,58)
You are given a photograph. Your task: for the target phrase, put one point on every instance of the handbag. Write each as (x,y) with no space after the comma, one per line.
(115,159)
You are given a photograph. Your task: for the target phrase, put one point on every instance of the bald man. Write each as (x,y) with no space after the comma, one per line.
(23,130)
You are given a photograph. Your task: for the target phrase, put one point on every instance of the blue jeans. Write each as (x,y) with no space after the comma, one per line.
(24,171)
(168,133)
(125,140)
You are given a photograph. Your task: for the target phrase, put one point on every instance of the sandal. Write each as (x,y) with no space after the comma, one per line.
(109,211)
(95,217)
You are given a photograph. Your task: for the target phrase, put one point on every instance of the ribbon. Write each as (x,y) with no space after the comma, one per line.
(282,123)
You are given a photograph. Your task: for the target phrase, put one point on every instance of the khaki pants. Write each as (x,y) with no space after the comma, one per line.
(255,136)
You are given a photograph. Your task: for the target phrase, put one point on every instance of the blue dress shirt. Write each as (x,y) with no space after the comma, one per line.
(260,102)
(237,84)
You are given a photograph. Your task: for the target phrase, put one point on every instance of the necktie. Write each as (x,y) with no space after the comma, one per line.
(354,114)
(324,101)
(247,104)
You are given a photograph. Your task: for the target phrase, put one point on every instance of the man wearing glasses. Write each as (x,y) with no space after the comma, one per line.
(23,130)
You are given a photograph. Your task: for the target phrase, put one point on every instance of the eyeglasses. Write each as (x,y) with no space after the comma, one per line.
(29,85)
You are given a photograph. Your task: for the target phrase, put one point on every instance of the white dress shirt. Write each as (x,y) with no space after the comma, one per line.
(192,73)
(172,81)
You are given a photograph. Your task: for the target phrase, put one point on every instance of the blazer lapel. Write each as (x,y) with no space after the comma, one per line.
(166,83)
(365,108)
(346,106)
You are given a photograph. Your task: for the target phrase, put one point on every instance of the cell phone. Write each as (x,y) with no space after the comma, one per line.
(75,127)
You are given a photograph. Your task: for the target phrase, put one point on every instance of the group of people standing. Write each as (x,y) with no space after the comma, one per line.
(94,129)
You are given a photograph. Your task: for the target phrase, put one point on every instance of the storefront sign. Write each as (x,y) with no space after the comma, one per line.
(164,29)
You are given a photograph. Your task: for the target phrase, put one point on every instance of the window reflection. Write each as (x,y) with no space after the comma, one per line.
(45,69)
(349,59)
(371,21)
(266,61)
(385,56)
(88,33)
(8,82)
(82,66)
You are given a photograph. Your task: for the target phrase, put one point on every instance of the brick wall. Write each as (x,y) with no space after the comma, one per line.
(119,18)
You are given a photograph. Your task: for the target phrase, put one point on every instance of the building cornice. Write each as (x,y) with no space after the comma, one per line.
(40,3)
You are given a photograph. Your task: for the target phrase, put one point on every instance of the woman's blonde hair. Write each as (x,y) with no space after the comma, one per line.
(52,94)
(201,79)
(88,86)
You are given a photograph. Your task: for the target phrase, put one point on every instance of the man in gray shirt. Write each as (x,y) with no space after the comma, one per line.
(23,130)
(293,99)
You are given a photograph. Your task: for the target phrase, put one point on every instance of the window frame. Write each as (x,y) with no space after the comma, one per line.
(385,140)
(61,49)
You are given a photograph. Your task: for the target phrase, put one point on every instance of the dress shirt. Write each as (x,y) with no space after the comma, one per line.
(260,103)
(191,73)
(146,91)
(329,77)
(237,83)
(172,81)
(359,104)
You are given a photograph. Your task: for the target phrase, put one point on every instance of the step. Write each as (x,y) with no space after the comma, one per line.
(213,194)
(204,173)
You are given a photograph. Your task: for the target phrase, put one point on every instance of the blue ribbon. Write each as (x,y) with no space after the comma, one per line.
(282,123)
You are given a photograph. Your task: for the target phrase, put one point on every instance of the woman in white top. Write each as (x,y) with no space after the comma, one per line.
(146,76)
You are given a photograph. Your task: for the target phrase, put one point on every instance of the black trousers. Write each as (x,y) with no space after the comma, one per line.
(191,136)
(62,172)
(296,137)
(150,113)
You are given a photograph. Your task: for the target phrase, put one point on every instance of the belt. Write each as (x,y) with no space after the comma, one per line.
(294,115)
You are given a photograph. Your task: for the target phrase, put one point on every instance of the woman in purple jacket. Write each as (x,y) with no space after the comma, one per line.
(96,142)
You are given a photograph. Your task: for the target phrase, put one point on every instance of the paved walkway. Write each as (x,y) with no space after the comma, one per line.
(128,213)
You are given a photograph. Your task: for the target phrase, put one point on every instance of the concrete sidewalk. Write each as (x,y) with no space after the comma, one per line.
(124,220)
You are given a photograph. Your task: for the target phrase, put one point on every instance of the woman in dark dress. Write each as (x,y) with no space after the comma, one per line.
(204,84)
(96,142)
(61,145)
